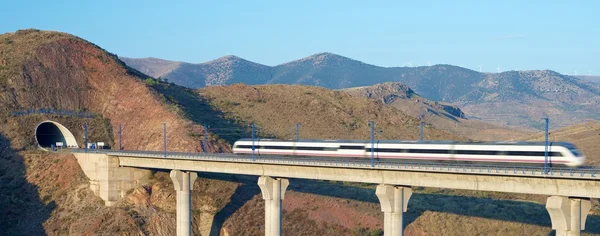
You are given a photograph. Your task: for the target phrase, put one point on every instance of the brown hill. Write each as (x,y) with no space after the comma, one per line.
(42,69)
(441,115)
(586,136)
(515,98)
(322,113)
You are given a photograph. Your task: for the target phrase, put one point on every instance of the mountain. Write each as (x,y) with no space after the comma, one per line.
(225,70)
(514,98)
(440,115)
(594,79)
(523,98)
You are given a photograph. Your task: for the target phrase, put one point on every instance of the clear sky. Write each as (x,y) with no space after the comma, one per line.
(514,34)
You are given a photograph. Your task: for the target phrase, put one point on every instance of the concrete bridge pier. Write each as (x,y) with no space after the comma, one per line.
(184,183)
(273,191)
(568,215)
(394,202)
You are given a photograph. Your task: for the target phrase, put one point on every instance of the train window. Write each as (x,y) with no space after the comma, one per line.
(352,147)
(310,148)
(277,147)
(529,153)
(420,151)
(476,152)
(429,151)
(246,146)
(575,151)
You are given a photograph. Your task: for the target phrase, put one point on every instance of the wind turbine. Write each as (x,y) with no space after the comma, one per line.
(480,68)
(590,72)
(575,72)
(428,63)
(410,63)
(498,69)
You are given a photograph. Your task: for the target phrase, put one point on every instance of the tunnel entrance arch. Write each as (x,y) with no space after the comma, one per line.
(50,132)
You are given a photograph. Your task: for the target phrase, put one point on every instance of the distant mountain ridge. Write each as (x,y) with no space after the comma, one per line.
(519,98)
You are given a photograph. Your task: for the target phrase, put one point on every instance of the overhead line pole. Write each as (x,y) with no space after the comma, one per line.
(253,137)
(546,158)
(372,124)
(120,137)
(165,138)
(205,147)
(421,131)
(85,136)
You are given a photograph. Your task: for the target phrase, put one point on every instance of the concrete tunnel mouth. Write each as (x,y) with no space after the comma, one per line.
(48,133)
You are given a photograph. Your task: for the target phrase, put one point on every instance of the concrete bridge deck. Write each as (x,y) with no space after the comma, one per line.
(569,189)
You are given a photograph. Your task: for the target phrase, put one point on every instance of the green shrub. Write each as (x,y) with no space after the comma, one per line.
(7,41)
(151,81)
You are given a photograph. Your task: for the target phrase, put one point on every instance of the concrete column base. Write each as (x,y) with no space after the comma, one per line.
(108,180)
(568,215)
(394,202)
(273,191)
(184,183)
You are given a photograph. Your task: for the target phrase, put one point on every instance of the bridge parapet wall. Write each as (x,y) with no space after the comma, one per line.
(107,180)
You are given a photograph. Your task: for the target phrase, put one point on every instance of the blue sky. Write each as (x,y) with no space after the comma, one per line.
(558,35)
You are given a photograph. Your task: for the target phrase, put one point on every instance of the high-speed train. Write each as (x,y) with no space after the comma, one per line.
(521,153)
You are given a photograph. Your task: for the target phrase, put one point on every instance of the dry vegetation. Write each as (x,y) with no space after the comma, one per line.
(322,113)
(439,115)
(41,69)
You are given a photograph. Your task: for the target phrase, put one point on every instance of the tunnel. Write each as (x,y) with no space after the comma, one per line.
(48,133)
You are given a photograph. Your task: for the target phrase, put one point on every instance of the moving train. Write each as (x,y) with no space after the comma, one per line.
(519,153)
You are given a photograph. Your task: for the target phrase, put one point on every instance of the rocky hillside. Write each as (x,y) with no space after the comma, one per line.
(225,70)
(516,98)
(42,69)
(524,97)
(48,194)
(437,114)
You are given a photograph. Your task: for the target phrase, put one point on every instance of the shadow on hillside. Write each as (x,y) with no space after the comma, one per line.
(22,212)
(201,112)
(503,210)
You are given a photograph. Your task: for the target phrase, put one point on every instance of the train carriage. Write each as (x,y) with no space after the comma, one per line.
(522,153)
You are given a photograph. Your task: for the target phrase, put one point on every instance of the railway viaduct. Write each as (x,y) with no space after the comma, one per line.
(112,173)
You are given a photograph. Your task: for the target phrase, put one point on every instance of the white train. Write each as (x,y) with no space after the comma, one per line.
(522,153)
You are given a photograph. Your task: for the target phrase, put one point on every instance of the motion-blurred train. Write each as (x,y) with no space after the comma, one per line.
(518,153)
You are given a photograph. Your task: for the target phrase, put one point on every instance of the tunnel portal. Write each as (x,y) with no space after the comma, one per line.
(48,133)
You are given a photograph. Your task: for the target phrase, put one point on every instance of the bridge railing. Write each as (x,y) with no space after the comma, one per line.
(558,172)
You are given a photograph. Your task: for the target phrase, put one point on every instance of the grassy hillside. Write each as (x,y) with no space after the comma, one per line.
(322,113)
